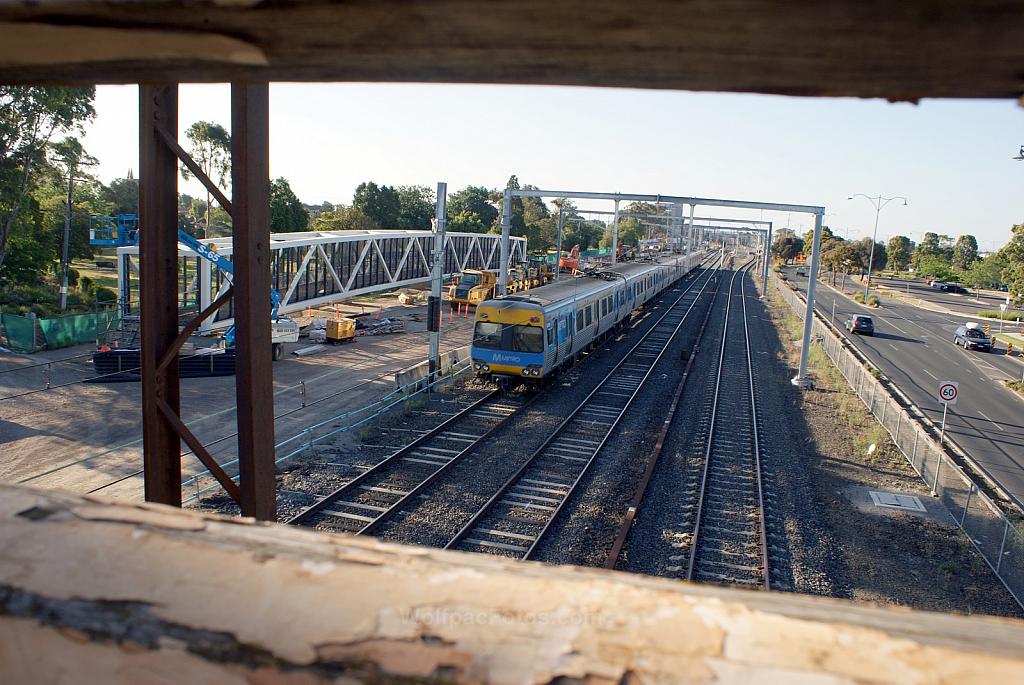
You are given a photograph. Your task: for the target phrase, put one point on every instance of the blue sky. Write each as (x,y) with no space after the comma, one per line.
(951,159)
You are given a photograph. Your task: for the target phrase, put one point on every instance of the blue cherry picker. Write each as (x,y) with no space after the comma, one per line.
(282,329)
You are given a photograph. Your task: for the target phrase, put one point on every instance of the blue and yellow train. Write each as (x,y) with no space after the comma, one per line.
(528,336)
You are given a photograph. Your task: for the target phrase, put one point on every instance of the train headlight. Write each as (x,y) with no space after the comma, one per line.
(476,366)
(526,372)
(536,371)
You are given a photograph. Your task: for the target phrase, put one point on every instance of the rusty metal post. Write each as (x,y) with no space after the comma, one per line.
(250,178)
(158,278)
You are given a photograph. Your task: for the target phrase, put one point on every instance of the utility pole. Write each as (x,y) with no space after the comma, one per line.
(615,234)
(689,232)
(558,255)
(65,258)
(506,228)
(436,274)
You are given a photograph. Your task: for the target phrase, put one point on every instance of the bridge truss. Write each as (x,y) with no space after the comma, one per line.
(313,268)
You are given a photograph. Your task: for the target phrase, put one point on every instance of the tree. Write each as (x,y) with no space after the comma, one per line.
(416,206)
(29,117)
(826,236)
(1013,255)
(934,266)
(863,247)
(842,255)
(343,218)
(986,273)
(965,252)
(123,195)
(380,204)
(933,245)
(586,234)
(517,220)
(470,210)
(211,150)
(899,250)
(787,246)
(287,214)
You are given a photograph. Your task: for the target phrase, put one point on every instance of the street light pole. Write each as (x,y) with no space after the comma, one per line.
(878,203)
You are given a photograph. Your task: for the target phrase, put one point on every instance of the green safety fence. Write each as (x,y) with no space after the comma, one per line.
(20,332)
(61,331)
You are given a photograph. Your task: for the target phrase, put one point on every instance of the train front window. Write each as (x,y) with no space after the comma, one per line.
(496,336)
(527,338)
(487,335)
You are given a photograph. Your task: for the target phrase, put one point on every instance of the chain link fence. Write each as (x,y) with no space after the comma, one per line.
(998,540)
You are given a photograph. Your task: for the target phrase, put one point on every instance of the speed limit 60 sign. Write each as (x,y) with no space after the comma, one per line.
(949,391)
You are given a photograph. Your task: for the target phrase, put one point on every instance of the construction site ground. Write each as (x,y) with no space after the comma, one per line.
(87,437)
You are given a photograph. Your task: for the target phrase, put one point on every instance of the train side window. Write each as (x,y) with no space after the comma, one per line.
(579,320)
(551,334)
(590,317)
(604,307)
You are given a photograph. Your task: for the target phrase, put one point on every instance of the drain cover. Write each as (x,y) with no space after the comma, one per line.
(894,501)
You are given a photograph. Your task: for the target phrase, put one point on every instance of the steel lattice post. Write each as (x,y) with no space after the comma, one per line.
(158,292)
(254,383)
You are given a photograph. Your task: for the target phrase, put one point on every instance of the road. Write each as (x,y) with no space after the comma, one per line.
(971,303)
(914,348)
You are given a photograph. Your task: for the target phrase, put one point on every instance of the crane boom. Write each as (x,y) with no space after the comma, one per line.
(224,264)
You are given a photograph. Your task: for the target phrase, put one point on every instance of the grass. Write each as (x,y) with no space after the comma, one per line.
(1014,315)
(865,429)
(872,300)
(106,278)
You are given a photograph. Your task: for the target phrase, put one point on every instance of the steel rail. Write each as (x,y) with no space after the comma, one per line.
(652,462)
(391,459)
(709,451)
(385,513)
(515,478)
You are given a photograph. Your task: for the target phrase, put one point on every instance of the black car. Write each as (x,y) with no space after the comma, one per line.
(859,323)
(972,337)
(954,288)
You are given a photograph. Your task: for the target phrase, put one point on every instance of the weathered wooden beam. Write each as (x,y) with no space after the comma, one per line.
(112,593)
(864,48)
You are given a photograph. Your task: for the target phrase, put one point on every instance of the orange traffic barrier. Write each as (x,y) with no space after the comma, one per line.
(1009,349)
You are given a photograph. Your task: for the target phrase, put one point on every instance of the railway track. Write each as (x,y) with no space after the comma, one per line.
(365,502)
(728,543)
(517,517)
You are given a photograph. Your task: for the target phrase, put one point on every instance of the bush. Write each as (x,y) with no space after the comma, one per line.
(858,297)
(873,300)
(72,277)
(104,296)
(85,284)
(1005,316)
